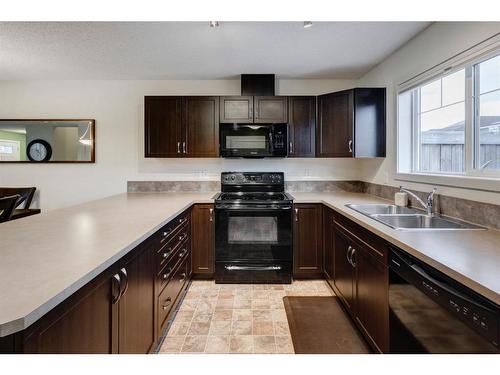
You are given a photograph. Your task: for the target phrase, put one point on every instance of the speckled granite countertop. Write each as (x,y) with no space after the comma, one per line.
(47,257)
(470,257)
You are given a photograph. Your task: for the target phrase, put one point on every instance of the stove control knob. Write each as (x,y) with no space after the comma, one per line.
(233,178)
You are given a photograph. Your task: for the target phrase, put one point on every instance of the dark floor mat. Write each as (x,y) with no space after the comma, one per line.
(319,326)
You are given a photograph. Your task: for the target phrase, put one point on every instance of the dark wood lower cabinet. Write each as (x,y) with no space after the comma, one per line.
(203,218)
(136,306)
(307,240)
(344,271)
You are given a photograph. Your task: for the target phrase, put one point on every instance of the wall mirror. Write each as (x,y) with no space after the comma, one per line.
(47,141)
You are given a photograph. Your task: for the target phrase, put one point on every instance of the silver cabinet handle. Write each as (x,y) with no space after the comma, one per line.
(167,303)
(184,147)
(166,275)
(178,147)
(296,214)
(252,268)
(183,276)
(291,148)
(353,258)
(182,253)
(348,254)
(116,285)
(211,214)
(167,253)
(350,146)
(183,237)
(125,278)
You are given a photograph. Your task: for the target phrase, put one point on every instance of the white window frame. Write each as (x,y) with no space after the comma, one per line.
(472,177)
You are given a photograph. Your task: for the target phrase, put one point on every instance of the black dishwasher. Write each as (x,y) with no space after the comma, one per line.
(431,313)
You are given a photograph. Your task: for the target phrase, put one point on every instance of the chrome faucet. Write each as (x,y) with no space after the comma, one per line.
(430,199)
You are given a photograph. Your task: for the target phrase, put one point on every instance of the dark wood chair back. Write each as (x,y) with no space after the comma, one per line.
(25,194)
(7,205)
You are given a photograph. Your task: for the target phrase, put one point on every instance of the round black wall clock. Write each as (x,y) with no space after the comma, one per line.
(39,150)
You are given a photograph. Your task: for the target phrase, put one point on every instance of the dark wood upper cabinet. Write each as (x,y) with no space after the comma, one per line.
(352,123)
(236,109)
(301,126)
(335,121)
(200,119)
(270,109)
(203,218)
(307,241)
(162,126)
(136,306)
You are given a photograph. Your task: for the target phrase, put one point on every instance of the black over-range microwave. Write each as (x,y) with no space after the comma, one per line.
(253,140)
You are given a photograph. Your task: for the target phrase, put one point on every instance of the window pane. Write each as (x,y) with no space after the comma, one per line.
(430,96)
(454,88)
(489,130)
(489,75)
(442,139)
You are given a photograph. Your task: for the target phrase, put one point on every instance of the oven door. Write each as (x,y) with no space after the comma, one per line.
(238,140)
(254,233)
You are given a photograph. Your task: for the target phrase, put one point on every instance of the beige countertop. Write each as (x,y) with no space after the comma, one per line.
(45,258)
(471,257)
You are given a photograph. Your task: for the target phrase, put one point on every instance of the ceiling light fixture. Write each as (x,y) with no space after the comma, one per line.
(214,24)
(307,24)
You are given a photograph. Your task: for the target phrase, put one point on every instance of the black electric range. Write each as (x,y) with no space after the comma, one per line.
(253,229)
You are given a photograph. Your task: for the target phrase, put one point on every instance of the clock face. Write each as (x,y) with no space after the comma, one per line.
(39,150)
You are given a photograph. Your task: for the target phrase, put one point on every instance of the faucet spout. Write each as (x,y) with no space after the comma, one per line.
(427,205)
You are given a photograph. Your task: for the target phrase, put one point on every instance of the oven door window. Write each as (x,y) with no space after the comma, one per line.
(263,235)
(254,229)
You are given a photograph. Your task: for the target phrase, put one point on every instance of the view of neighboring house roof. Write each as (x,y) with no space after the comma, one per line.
(454,134)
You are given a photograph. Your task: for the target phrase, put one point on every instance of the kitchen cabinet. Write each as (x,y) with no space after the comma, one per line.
(270,109)
(136,306)
(253,109)
(181,126)
(328,244)
(200,122)
(85,323)
(125,309)
(361,281)
(301,126)
(307,241)
(203,240)
(162,126)
(352,123)
(236,109)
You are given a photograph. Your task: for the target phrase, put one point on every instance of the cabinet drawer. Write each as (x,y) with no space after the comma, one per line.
(169,230)
(171,246)
(180,253)
(374,244)
(168,296)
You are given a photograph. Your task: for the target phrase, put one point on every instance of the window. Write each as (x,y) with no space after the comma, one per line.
(450,124)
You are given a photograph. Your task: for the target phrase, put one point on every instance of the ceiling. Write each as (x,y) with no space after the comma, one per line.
(193,50)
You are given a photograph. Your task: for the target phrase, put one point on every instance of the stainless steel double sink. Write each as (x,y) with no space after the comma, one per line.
(405,218)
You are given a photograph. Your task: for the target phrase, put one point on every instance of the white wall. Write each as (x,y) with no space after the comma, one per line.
(117,107)
(434,45)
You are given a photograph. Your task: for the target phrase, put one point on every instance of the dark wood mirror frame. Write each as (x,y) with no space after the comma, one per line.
(92,147)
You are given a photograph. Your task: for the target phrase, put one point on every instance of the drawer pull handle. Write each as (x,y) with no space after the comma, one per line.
(167,275)
(183,276)
(184,236)
(167,253)
(167,301)
(182,253)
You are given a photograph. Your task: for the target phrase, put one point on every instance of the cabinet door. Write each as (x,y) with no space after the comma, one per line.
(136,305)
(201,126)
(335,125)
(302,126)
(328,244)
(372,304)
(86,323)
(162,126)
(236,109)
(343,270)
(370,122)
(203,239)
(270,109)
(307,241)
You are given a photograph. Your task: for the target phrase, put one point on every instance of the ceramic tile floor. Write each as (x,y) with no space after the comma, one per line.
(241,318)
